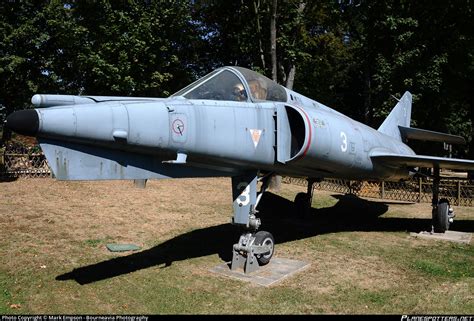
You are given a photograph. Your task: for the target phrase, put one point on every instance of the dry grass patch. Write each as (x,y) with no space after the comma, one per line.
(53,256)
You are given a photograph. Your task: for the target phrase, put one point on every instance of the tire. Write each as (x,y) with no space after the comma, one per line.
(441,217)
(264,238)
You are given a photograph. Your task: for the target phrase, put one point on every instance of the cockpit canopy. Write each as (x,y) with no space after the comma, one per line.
(234,84)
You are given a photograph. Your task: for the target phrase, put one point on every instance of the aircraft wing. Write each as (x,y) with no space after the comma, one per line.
(399,160)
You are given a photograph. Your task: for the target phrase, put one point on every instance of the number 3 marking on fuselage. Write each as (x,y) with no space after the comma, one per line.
(344,142)
(245,194)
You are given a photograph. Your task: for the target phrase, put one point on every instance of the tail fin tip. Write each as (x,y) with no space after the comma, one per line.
(399,116)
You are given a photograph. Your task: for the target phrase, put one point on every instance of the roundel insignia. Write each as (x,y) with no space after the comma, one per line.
(179,127)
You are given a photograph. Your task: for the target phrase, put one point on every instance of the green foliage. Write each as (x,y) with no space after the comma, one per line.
(95,47)
(351,55)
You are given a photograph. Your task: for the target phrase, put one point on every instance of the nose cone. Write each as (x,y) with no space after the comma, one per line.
(24,122)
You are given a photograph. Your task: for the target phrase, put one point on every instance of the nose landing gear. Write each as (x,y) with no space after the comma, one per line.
(254,249)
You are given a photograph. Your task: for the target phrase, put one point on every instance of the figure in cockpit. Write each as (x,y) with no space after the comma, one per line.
(258,89)
(239,92)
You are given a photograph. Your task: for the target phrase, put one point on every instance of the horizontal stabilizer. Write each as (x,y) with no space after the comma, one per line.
(428,135)
(72,161)
(397,160)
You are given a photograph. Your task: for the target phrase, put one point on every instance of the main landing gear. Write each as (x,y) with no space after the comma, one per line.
(254,248)
(303,201)
(442,213)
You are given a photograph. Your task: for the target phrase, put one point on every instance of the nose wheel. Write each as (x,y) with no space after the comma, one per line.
(252,251)
(266,242)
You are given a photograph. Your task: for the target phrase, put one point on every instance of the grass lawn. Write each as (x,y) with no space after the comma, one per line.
(54,260)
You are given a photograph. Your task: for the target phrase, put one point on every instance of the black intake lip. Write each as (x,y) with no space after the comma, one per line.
(24,122)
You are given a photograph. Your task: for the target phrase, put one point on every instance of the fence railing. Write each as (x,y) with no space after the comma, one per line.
(18,160)
(459,192)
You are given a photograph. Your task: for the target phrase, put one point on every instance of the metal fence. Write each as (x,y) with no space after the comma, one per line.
(18,160)
(459,192)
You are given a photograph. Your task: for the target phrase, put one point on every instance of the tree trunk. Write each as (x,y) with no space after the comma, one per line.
(291,71)
(6,134)
(273,40)
(282,73)
(256,7)
(291,77)
(470,152)
(367,98)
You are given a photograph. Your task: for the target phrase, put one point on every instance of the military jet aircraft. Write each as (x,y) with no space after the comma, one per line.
(235,123)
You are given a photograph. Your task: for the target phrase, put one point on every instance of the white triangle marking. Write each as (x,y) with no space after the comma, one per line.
(255,134)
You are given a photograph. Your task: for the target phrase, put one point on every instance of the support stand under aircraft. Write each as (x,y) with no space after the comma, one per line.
(234,123)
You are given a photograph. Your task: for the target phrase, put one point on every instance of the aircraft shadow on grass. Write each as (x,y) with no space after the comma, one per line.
(6,179)
(278,215)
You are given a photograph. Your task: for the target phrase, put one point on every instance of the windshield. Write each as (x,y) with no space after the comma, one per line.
(195,84)
(224,85)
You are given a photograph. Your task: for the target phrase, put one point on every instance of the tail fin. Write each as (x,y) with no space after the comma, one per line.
(399,116)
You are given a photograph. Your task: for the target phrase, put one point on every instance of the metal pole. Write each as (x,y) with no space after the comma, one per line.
(140,183)
(436,180)
(382,189)
(459,193)
(420,189)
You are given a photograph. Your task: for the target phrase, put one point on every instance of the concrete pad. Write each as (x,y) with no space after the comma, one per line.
(453,236)
(122,247)
(270,274)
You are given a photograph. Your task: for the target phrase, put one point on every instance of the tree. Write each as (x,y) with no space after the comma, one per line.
(353,55)
(95,47)
(135,48)
(419,46)
(20,61)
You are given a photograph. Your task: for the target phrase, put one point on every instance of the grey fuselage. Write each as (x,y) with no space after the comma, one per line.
(300,137)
